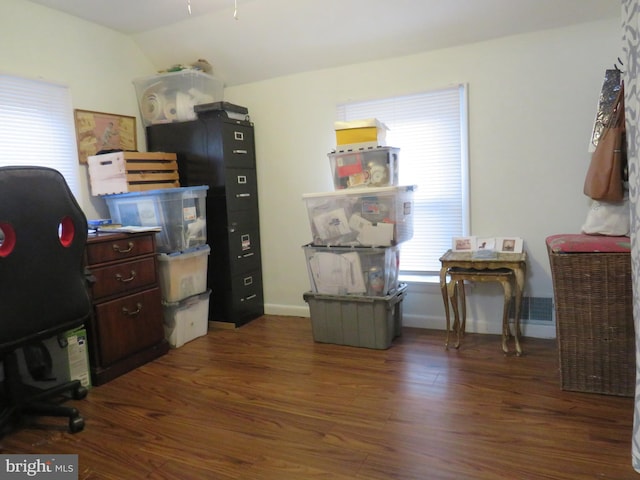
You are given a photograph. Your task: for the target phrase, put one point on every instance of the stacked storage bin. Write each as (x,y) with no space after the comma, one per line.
(353,260)
(183,253)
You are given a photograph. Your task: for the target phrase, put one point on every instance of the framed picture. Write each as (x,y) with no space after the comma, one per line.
(486,243)
(96,131)
(464,244)
(509,244)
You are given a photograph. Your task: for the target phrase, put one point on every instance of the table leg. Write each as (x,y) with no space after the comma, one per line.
(454,288)
(463,302)
(519,273)
(445,299)
(506,285)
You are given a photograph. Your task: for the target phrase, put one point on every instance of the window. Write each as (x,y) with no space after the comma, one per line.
(36,126)
(430,130)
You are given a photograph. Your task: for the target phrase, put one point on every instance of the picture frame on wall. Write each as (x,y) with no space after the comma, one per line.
(98,131)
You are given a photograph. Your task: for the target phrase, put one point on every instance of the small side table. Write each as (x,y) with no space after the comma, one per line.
(509,269)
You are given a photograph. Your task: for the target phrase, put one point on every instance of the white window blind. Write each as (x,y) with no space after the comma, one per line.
(36,126)
(430,130)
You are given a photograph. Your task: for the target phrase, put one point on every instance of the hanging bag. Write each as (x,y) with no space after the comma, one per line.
(605,176)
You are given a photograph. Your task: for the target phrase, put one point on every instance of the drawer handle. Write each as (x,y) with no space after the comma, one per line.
(132,313)
(251,297)
(243,195)
(126,280)
(240,152)
(116,248)
(247,255)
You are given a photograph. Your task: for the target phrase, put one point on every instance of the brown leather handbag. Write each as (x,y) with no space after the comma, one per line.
(606,173)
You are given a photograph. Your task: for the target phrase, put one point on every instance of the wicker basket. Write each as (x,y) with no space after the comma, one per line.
(594,320)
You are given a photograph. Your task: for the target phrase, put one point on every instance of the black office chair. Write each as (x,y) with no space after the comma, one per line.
(43,285)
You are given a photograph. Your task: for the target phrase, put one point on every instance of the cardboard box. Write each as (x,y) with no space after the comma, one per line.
(69,354)
(124,172)
(358,134)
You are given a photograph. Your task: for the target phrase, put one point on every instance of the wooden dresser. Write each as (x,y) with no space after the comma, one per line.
(126,329)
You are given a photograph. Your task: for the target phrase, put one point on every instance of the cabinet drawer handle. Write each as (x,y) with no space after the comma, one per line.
(251,297)
(243,195)
(126,280)
(240,152)
(132,313)
(116,248)
(247,255)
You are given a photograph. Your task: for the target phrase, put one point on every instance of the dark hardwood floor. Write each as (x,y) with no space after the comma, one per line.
(266,402)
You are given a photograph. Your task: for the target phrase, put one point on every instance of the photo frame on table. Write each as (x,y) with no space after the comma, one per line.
(464,244)
(509,244)
(97,131)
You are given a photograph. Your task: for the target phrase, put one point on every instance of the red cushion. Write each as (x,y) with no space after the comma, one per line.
(579,243)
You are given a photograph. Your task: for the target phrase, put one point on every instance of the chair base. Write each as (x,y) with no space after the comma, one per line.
(19,400)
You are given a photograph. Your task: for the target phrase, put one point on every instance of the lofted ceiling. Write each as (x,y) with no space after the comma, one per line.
(252,40)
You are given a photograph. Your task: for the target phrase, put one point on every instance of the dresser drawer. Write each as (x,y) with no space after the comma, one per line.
(129,324)
(119,249)
(123,277)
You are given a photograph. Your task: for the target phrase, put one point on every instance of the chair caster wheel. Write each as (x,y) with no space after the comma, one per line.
(76,424)
(80,393)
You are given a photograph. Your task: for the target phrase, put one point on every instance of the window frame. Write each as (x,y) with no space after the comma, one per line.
(369,106)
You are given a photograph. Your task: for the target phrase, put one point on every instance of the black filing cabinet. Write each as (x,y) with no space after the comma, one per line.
(218,151)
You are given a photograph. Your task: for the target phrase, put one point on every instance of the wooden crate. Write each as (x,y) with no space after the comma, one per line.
(124,172)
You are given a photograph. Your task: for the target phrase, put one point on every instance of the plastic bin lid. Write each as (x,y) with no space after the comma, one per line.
(161,191)
(188,252)
(363,191)
(353,149)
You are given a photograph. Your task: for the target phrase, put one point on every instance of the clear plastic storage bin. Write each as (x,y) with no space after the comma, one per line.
(369,271)
(187,319)
(179,212)
(367,216)
(183,274)
(368,167)
(171,97)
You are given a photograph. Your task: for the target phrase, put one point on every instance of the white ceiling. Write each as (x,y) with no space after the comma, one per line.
(267,38)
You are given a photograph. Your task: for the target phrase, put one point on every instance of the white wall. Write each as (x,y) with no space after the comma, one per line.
(532,102)
(96,63)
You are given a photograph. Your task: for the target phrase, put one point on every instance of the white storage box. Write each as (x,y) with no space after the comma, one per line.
(183,274)
(371,271)
(124,172)
(376,167)
(170,97)
(179,212)
(186,320)
(356,134)
(366,216)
